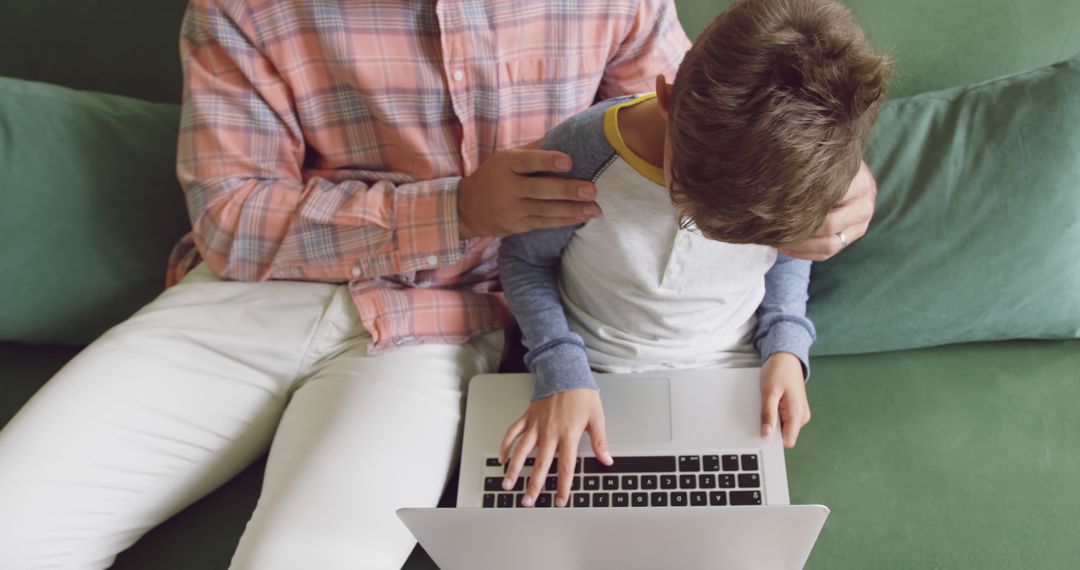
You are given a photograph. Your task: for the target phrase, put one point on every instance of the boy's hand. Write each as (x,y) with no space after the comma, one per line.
(554,424)
(783,397)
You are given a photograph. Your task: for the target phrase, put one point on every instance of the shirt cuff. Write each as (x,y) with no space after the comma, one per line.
(562,366)
(425,226)
(786,336)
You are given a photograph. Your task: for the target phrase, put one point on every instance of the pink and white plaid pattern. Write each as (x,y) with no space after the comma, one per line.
(324,140)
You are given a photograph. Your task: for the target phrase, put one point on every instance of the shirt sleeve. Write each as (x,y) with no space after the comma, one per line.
(654,44)
(782,323)
(254,214)
(528,267)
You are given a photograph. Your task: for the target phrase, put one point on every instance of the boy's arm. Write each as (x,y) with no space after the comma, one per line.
(782,322)
(529,268)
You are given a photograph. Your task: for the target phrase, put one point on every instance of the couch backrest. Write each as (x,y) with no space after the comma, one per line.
(129,47)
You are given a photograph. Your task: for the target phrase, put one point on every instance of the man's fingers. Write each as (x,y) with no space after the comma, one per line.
(561,209)
(568,450)
(770,404)
(846,217)
(551,188)
(537,223)
(529,161)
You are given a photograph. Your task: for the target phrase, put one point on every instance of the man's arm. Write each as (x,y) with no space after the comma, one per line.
(782,323)
(529,268)
(241,151)
(256,216)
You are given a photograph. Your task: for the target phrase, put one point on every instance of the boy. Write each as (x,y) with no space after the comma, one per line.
(700,184)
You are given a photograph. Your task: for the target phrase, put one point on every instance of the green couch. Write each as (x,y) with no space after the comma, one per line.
(947,457)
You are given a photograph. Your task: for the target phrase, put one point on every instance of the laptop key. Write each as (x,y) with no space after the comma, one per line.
(725,480)
(717,498)
(611,482)
(639,499)
(689,463)
(489,500)
(648,481)
(633,464)
(505,500)
(592,483)
(620,499)
(576,485)
(600,500)
(730,462)
(659,499)
(712,462)
(551,483)
(745,497)
(519,499)
(493,483)
(678,499)
(749,462)
(668,482)
(699,499)
(629,482)
(492,462)
(545,500)
(581,499)
(688,481)
(749,480)
(707,481)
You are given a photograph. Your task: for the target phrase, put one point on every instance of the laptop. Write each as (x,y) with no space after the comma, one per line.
(694,484)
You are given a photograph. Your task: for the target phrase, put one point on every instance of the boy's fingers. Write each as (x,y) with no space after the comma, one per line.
(791,431)
(568,449)
(598,436)
(551,188)
(524,445)
(511,434)
(770,403)
(544,453)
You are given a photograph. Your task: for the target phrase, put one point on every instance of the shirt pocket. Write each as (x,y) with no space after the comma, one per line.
(535,94)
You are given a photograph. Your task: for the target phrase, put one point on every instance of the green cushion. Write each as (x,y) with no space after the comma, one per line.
(964,456)
(89,209)
(939,44)
(977,233)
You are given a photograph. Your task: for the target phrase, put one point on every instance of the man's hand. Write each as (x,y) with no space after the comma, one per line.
(501,199)
(554,424)
(850,217)
(783,397)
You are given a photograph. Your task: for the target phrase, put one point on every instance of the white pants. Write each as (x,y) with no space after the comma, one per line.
(181,397)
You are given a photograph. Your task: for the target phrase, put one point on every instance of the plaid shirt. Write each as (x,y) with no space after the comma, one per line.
(324,140)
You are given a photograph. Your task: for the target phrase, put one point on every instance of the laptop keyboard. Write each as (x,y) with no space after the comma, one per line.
(640,481)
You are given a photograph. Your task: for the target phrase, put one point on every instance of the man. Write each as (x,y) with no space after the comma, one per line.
(347,167)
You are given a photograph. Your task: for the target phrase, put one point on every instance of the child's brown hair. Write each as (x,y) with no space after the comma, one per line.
(770,113)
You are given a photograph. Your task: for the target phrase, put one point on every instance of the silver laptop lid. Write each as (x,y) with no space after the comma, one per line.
(757,538)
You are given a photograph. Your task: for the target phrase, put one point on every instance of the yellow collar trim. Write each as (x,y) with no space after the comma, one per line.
(614,138)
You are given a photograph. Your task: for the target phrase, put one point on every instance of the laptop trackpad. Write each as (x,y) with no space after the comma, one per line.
(636,410)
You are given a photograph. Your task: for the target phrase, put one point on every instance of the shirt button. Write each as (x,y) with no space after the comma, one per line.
(459,75)
(356,272)
(432,260)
